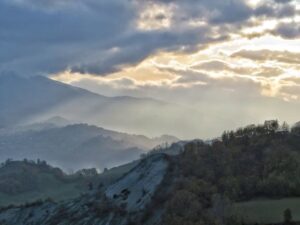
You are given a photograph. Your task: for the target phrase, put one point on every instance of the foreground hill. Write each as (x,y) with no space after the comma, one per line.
(132,193)
(24,181)
(204,184)
(76,146)
(27,181)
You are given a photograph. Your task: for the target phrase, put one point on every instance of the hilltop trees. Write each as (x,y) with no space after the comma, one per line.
(270,127)
(255,161)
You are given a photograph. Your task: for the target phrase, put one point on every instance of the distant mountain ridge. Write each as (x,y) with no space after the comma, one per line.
(24,98)
(34,99)
(21,98)
(76,146)
(46,119)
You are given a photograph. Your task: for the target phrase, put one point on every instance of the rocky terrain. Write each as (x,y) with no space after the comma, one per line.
(118,204)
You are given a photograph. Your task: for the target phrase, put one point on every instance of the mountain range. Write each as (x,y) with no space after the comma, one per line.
(45,119)
(76,146)
(34,99)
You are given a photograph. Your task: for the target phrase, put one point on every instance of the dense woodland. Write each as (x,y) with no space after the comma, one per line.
(252,162)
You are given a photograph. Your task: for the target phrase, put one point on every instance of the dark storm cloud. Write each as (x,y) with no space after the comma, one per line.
(48,40)
(214,11)
(137,46)
(276,11)
(100,36)
(287,30)
(282,1)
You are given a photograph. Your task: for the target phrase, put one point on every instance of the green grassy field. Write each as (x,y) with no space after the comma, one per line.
(267,211)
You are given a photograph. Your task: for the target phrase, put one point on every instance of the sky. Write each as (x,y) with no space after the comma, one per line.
(235,61)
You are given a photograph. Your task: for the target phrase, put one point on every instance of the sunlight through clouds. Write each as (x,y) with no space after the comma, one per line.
(175,51)
(154,17)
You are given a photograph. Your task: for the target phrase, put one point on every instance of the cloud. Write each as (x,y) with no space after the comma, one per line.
(102,37)
(137,46)
(212,11)
(271,10)
(37,40)
(287,30)
(220,66)
(88,36)
(269,55)
(282,1)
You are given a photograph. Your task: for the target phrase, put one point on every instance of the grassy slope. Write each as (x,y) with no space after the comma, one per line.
(65,191)
(267,211)
(48,187)
(51,187)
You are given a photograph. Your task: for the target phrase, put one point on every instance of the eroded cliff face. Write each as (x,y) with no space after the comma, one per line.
(134,191)
(117,205)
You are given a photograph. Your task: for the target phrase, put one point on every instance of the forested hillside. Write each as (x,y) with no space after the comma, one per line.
(253,162)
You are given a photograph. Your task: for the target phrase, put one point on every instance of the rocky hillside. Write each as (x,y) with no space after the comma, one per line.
(118,204)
